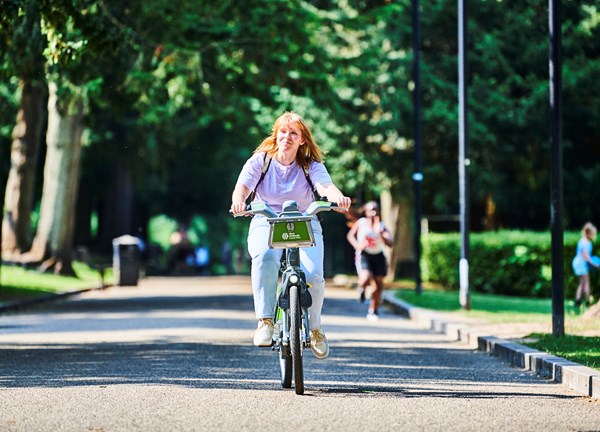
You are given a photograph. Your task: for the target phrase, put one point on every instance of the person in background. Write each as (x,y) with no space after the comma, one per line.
(227,257)
(583,259)
(292,150)
(181,250)
(368,236)
(202,259)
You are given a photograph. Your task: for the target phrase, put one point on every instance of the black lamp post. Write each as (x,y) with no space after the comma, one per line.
(556,217)
(417,175)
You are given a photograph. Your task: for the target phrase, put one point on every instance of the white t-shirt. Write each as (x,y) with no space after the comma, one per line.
(365,232)
(282,183)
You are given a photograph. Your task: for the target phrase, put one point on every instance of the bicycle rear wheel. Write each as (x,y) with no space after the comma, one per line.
(296,348)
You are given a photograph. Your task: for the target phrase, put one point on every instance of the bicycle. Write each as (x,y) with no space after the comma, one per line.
(291,230)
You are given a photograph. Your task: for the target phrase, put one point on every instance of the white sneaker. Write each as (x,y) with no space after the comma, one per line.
(263,336)
(319,344)
(372,316)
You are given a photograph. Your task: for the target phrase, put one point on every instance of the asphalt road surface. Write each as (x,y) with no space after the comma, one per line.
(175,354)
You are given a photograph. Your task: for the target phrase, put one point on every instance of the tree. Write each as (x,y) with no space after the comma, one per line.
(54,238)
(508,119)
(369,128)
(176,94)
(25,45)
(79,50)
(196,88)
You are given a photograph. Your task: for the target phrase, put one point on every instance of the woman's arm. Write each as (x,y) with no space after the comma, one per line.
(586,256)
(238,198)
(587,244)
(383,232)
(333,194)
(387,237)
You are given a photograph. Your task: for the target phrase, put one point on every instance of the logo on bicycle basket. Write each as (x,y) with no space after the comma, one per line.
(296,231)
(286,235)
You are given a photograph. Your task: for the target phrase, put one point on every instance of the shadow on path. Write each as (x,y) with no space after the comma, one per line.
(358,367)
(356,372)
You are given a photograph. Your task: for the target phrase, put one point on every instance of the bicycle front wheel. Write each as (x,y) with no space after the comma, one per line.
(296,347)
(285,363)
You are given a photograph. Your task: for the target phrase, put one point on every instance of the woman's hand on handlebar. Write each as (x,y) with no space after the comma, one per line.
(238,207)
(343,202)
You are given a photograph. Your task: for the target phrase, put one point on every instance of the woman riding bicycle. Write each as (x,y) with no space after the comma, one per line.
(293,161)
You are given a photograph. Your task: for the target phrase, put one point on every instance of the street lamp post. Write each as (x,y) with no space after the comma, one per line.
(463,161)
(417,175)
(555,69)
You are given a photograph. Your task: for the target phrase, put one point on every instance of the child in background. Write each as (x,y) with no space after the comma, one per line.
(583,259)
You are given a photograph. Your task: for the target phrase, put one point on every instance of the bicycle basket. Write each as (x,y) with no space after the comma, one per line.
(291,233)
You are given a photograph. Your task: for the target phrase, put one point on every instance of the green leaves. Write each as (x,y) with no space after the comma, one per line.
(167,80)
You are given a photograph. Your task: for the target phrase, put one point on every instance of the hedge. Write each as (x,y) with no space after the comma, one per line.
(501,262)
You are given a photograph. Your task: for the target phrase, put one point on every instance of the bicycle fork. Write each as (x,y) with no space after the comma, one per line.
(285,330)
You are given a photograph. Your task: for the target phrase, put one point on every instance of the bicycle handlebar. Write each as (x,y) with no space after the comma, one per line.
(266,210)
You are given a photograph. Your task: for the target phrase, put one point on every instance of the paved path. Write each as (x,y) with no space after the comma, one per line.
(176,355)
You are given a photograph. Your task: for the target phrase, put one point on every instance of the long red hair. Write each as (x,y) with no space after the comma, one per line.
(307,153)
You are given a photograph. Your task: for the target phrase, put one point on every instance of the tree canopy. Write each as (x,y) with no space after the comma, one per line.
(178,94)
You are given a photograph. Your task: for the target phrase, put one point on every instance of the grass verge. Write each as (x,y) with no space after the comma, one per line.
(580,349)
(488,307)
(581,344)
(20,284)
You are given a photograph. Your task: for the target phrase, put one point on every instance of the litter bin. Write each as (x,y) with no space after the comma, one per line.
(126,260)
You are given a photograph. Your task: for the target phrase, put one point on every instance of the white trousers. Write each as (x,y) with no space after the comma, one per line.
(265,268)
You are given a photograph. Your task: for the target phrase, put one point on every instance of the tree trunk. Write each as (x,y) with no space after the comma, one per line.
(53,243)
(396,215)
(16,226)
